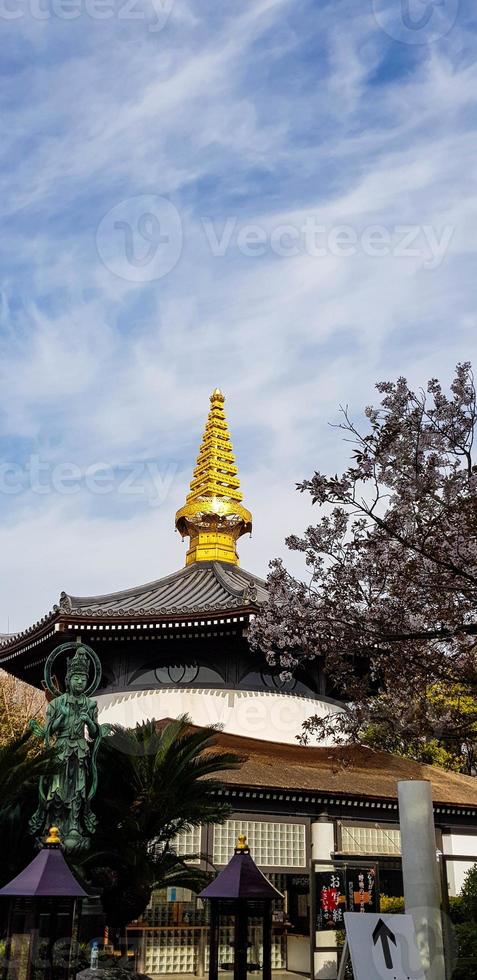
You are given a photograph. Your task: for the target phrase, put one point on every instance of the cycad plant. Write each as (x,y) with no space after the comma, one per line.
(155,781)
(22,763)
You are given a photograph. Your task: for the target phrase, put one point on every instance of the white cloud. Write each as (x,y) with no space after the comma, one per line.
(258,114)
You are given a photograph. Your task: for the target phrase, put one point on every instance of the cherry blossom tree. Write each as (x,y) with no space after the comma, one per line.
(389,603)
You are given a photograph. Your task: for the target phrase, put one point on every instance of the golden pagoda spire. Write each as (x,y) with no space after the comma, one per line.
(213,516)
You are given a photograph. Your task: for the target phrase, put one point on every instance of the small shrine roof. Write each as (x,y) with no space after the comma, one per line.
(47,876)
(241,879)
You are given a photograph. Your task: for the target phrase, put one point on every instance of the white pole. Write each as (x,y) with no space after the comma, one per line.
(420,872)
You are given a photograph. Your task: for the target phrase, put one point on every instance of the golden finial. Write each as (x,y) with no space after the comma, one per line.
(217,395)
(53,836)
(241,843)
(213,516)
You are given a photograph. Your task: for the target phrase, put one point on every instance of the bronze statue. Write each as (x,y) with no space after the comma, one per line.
(73,731)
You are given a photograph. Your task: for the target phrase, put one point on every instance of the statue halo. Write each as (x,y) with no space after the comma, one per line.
(63,648)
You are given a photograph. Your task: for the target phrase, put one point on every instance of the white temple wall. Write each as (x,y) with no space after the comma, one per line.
(270,716)
(322,847)
(463,845)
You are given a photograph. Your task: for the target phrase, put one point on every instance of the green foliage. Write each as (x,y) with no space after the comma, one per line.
(463,912)
(466,935)
(457,704)
(469,895)
(153,783)
(448,709)
(390,904)
(456,909)
(110,966)
(21,765)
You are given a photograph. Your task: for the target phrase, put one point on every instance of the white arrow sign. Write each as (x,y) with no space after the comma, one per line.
(383,947)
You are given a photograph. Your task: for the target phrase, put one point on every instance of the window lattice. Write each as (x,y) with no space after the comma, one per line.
(370,840)
(271,844)
(187,842)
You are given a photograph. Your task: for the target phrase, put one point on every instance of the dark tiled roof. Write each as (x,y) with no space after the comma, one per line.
(347,770)
(204,587)
(199,587)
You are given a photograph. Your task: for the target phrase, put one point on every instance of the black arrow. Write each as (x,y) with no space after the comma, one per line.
(383,933)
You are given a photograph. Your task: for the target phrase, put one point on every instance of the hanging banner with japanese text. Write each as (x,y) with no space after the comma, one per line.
(344,889)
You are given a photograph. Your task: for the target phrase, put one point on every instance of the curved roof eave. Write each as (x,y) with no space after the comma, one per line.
(205,587)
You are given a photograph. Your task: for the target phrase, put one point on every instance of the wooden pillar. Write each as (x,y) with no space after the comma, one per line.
(73,952)
(51,907)
(8,943)
(240,940)
(200,959)
(267,941)
(214,941)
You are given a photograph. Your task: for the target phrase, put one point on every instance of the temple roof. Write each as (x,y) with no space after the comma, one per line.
(203,587)
(210,584)
(351,770)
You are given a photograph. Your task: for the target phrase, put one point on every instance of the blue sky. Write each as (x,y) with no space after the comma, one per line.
(273,196)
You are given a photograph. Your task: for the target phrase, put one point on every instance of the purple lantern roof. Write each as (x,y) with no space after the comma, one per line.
(47,876)
(241,879)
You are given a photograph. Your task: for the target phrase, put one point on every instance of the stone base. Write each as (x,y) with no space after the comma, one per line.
(110,973)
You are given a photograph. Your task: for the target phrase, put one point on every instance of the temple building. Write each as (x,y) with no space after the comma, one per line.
(179,645)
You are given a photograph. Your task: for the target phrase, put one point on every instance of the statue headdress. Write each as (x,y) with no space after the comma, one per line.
(79,664)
